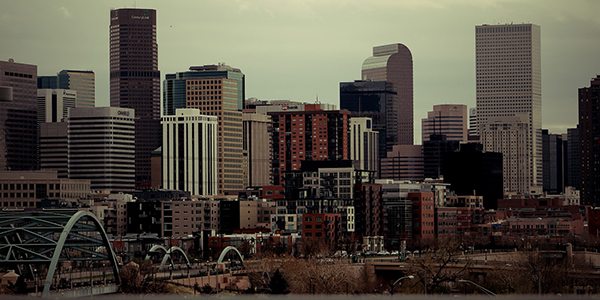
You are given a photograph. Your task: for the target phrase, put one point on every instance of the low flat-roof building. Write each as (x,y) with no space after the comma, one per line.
(25,189)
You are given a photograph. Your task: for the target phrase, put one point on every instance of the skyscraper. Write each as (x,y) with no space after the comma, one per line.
(509,98)
(18,116)
(189,152)
(216,90)
(589,134)
(101,147)
(393,63)
(447,119)
(375,100)
(135,80)
(82,82)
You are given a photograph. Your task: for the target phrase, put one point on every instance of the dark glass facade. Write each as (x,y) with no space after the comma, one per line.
(470,171)
(373,99)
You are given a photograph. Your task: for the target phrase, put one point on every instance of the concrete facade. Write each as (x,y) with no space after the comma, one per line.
(257,148)
(509,91)
(109,166)
(447,119)
(25,189)
(404,162)
(189,152)
(54,150)
(53,104)
(364,144)
(18,116)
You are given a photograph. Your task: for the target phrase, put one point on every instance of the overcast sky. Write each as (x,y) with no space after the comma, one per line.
(300,49)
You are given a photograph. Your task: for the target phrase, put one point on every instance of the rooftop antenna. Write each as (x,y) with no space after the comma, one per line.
(317,99)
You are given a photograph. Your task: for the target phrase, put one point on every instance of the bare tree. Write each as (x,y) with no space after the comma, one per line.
(438,266)
(323,277)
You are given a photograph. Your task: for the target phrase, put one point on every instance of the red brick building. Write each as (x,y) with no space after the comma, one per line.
(312,134)
(423,217)
(322,227)
(368,210)
(456,222)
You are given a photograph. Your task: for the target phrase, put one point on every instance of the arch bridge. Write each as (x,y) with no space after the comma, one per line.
(167,255)
(60,252)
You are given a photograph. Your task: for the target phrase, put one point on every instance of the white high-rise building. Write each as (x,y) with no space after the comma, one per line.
(101,145)
(364,144)
(189,152)
(508,71)
(54,104)
(446,119)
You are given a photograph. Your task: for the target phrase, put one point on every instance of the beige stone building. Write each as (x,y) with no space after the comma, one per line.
(25,189)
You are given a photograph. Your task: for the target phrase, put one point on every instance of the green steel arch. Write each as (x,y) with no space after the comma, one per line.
(29,239)
(227,250)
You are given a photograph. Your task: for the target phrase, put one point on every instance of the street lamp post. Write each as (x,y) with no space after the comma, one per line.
(486,291)
(399,282)
(35,281)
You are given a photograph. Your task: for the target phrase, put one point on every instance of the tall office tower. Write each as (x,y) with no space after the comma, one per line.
(257,148)
(364,144)
(573,158)
(216,90)
(435,151)
(83,82)
(508,70)
(18,116)
(447,119)
(375,100)
(312,134)
(589,134)
(512,138)
(54,148)
(552,162)
(101,147)
(404,162)
(53,104)
(189,152)
(473,128)
(231,87)
(393,63)
(135,80)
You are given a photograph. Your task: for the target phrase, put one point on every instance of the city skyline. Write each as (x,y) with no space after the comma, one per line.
(279,33)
